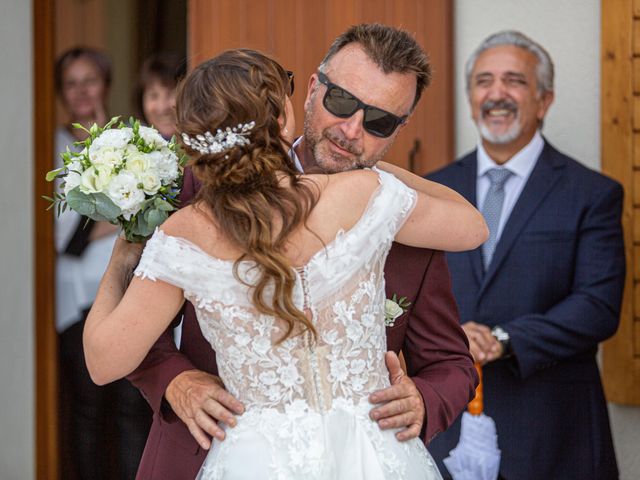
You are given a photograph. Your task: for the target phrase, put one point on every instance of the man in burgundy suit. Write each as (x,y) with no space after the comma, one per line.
(182,385)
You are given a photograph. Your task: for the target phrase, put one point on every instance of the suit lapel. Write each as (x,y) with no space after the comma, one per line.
(542,180)
(467,188)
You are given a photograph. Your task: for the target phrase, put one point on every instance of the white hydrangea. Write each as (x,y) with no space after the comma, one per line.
(124,192)
(166,164)
(95,179)
(113,138)
(152,137)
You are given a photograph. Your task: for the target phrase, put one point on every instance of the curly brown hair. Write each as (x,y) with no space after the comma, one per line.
(243,186)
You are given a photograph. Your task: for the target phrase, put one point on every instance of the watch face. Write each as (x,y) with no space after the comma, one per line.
(500,334)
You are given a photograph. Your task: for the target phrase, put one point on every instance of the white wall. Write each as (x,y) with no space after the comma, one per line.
(16,279)
(570,31)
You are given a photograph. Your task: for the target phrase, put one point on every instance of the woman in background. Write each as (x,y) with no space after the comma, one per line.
(156,93)
(97,423)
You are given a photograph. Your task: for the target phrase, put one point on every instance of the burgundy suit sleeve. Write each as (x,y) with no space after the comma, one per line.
(161,365)
(437,352)
(164,361)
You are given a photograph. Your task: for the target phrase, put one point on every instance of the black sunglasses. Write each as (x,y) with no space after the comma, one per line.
(342,104)
(291,84)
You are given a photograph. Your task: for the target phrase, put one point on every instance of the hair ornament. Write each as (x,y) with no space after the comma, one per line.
(222,141)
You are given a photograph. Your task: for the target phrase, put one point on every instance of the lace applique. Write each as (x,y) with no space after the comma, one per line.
(293,389)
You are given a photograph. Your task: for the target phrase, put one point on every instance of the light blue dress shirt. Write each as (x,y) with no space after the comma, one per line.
(521,165)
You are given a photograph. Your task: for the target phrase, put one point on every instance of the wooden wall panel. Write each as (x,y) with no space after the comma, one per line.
(46,340)
(620,129)
(298,33)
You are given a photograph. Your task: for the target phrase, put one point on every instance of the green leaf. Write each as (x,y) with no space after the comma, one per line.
(105,207)
(54,173)
(82,203)
(155,218)
(161,204)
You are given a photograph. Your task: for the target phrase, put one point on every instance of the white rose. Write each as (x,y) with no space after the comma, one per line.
(107,156)
(73,178)
(124,192)
(95,179)
(150,182)
(152,137)
(113,138)
(138,164)
(166,163)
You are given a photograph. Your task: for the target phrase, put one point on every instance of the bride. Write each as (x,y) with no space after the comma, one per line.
(287,283)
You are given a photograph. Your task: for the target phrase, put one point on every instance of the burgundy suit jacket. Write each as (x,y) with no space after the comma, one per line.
(435,350)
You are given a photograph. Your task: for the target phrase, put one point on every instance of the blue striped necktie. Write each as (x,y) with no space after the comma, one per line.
(492,210)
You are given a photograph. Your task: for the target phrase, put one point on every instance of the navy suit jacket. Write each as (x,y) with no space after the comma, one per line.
(555,285)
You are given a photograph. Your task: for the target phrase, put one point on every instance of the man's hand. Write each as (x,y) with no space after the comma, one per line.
(404,405)
(483,346)
(200,401)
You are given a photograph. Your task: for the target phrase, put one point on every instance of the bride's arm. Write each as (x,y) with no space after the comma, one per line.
(442,218)
(125,322)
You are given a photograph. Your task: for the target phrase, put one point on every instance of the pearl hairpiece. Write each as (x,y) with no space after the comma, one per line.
(222,141)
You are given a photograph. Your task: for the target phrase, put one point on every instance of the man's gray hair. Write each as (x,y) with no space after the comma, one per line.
(544,69)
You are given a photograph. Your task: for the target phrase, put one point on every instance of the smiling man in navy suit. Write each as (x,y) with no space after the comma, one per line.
(537,298)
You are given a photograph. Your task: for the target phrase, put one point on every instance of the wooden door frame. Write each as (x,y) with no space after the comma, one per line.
(46,340)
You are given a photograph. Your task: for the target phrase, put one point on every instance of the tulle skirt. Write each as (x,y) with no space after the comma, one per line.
(341,444)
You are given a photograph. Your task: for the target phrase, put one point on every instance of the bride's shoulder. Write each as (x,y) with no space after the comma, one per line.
(189,222)
(355,182)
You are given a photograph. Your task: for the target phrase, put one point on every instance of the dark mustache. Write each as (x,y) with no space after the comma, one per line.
(499,104)
(343,143)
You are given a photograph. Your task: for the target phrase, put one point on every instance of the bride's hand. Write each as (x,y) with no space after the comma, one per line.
(125,257)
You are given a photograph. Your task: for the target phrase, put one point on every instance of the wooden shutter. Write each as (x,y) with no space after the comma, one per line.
(620,94)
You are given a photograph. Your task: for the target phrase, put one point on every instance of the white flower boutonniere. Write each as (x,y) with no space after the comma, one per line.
(393,308)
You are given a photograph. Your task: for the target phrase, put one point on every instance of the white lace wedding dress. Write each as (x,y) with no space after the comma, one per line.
(307,413)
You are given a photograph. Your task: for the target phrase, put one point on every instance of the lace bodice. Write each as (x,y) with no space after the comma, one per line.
(342,286)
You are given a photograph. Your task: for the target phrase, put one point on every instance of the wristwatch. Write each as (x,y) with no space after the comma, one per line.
(502,336)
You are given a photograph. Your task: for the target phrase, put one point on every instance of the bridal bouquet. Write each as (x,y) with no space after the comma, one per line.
(128,175)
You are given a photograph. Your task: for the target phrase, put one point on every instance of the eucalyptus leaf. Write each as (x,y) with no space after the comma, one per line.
(155,218)
(106,207)
(161,204)
(82,203)
(140,226)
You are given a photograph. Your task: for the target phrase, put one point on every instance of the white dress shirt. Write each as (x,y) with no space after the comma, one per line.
(521,165)
(294,155)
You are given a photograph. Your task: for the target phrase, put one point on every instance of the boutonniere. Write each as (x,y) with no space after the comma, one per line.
(393,308)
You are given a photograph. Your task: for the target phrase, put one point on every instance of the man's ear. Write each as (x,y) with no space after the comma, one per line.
(311,88)
(546,99)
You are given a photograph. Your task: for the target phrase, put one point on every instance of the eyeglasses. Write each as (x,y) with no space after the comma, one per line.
(291,84)
(342,104)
